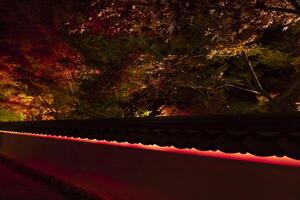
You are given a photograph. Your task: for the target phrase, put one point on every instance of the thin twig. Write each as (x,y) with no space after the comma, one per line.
(238,87)
(260,88)
(54,113)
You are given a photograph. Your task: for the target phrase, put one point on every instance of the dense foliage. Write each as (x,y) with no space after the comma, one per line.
(119,58)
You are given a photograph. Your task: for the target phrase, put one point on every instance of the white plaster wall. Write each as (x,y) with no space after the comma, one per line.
(121,173)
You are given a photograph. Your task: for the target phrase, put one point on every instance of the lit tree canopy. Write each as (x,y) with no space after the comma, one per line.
(101,58)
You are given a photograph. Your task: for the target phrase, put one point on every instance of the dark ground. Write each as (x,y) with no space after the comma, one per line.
(18,182)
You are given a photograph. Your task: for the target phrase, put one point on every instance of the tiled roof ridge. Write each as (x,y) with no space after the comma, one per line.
(258,134)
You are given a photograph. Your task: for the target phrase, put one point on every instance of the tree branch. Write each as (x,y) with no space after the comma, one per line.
(239,88)
(53,112)
(260,88)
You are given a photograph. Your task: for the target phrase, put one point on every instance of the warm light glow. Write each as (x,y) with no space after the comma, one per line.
(285,161)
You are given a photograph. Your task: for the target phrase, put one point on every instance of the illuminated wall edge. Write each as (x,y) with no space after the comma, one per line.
(124,171)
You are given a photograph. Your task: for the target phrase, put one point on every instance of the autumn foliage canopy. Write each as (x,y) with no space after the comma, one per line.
(62,59)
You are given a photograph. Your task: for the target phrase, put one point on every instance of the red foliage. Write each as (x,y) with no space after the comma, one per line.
(31,48)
